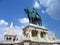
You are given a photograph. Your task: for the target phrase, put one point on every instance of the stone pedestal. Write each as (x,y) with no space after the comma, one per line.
(35,33)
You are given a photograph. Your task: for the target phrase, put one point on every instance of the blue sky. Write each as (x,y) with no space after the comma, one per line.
(13,11)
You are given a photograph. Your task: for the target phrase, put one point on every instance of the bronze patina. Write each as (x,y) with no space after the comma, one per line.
(33,16)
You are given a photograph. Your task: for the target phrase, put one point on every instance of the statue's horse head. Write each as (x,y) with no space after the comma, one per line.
(26,11)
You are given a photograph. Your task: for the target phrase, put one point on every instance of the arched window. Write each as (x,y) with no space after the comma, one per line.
(13,39)
(42,34)
(7,38)
(34,33)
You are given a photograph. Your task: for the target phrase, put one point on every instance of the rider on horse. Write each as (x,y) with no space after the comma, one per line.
(34,17)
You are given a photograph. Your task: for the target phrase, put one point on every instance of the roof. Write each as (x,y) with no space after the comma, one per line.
(11,30)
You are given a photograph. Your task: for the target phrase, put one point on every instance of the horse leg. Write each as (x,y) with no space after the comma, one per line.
(40,23)
(30,21)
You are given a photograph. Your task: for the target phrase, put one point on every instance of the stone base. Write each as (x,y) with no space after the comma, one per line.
(28,42)
(31,30)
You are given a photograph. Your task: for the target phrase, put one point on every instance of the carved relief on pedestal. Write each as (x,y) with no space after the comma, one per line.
(27,34)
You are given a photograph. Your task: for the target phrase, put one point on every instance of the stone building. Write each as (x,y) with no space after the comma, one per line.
(33,35)
(38,35)
(10,37)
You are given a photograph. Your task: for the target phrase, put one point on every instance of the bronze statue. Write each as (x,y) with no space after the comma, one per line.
(34,17)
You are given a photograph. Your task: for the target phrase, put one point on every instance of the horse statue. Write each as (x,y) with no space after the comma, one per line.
(33,17)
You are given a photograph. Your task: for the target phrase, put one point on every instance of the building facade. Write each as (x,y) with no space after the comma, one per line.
(33,35)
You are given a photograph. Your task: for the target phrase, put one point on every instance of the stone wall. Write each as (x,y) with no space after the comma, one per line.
(40,43)
(11,44)
(28,42)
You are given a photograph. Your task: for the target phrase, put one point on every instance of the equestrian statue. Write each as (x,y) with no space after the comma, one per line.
(33,16)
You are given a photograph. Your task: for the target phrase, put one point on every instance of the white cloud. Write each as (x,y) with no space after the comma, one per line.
(19,33)
(46,3)
(3,22)
(3,28)
(17,27)
(50,34)
(22,27)
(3,31)
(23,21)
(36,4)
(18,30)
(43,11)
(53,8)
(1,37)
